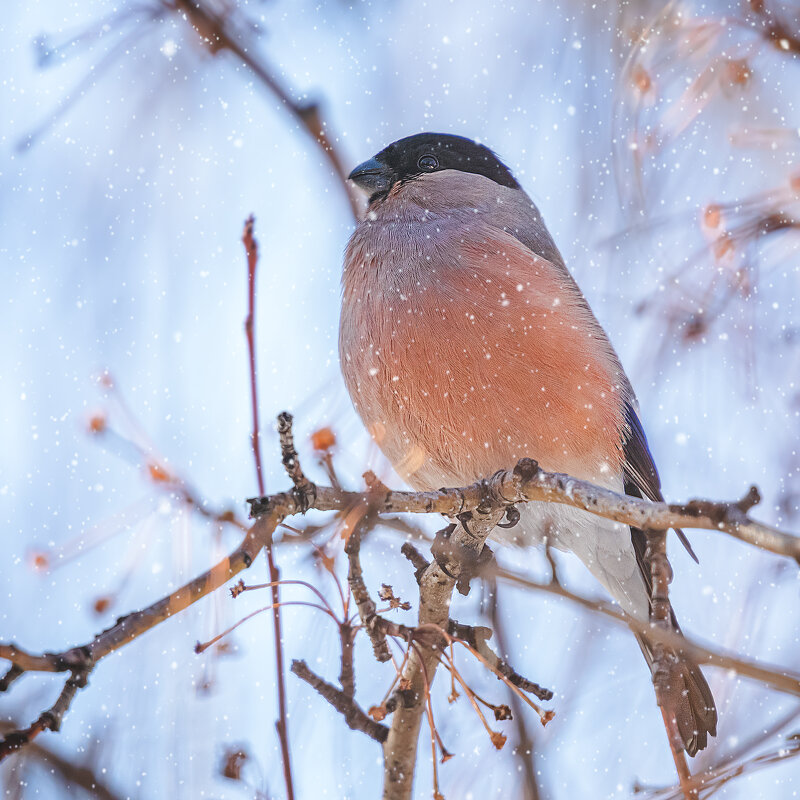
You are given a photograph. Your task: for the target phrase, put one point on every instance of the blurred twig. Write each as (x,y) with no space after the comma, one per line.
(219,31)
(525,745)
(221,27)
(73,775)
(780,678)
(355,717)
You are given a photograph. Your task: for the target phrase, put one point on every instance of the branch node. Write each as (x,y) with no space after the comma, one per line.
(752,498)
(459,561)
(13,673)
(365,604)
(418,561)
(526,469)
(305,492)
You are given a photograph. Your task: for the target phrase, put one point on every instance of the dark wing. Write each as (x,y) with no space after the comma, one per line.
(641,476)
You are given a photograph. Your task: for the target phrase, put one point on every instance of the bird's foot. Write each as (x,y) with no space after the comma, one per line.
(461,563)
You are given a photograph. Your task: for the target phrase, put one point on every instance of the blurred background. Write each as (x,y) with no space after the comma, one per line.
(660,141)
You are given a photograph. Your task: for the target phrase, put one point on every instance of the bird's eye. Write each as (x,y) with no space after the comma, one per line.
(428,163)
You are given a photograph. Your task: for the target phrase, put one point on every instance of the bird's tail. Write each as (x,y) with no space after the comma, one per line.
(687,697)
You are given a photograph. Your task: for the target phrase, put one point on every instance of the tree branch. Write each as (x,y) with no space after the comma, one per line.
(364,602)
(218,32)
(354,716)
(73,775)
(526,482)
(779,678)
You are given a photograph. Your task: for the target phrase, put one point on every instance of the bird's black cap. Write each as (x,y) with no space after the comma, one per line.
(425,153)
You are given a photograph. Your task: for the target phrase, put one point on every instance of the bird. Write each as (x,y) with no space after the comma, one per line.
(465,344)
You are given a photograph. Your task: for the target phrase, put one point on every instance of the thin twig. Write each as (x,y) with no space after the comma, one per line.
(435,589)
(354,716)
(364,602)
(217,31)
(780,678)
(282,724)
(477,638)
(525,746)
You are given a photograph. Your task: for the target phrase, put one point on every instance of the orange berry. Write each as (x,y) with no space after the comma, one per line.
(97,422)
(323,439)
(712,216)
(158,473)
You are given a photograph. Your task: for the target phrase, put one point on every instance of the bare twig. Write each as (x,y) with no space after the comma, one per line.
(291,462)
(364,602)
(436,586)
(52,717)
(418,561)
(251,250)
(354,716)
(218,32)
(525,746)
(779,678)
(130,627)
(477,637)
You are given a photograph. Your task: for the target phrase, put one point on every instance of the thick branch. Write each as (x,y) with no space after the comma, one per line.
(487,501)
(526,482)
(435,589)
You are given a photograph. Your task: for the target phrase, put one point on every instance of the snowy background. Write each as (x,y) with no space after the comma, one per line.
(129,158)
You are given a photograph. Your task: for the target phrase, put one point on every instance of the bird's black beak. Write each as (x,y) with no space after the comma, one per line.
(373,176)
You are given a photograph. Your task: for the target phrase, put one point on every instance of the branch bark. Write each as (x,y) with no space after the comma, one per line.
(526,483)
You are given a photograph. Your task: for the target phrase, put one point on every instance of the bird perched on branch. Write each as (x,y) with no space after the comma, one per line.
(466,345)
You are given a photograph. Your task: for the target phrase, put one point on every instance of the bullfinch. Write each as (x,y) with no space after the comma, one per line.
(466,345)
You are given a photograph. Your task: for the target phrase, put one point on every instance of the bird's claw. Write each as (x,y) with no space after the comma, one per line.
(512,515)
